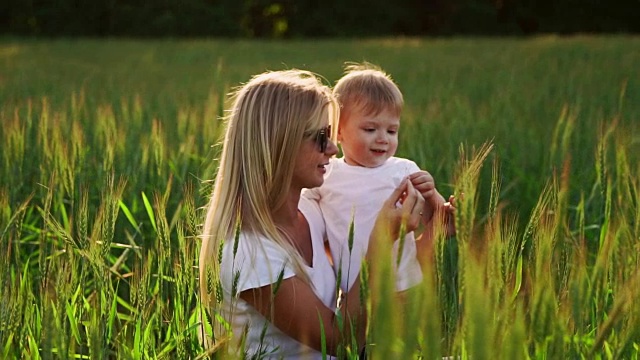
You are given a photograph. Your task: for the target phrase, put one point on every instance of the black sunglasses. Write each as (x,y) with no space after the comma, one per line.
(322,138)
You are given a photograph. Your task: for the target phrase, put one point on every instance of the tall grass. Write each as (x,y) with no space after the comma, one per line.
(106,146)
(101,246)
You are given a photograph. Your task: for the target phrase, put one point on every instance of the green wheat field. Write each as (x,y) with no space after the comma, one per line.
(107,147)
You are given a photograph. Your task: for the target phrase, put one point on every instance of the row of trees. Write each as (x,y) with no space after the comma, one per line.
(304,18)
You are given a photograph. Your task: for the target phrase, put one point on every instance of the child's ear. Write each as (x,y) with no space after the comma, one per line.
(339,137)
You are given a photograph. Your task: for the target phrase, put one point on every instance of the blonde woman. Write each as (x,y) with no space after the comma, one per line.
(263,244)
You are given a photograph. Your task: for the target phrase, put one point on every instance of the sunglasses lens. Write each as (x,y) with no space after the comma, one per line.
(323,138)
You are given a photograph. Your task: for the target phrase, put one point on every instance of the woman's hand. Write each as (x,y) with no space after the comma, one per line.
(449,216)
(404,207)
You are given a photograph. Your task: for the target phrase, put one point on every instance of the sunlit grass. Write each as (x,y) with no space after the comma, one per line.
(106,146)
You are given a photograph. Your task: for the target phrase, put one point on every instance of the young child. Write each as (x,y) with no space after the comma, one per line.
(357,184)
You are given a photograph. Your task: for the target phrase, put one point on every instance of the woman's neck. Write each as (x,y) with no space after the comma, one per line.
(287,214)
(294,227)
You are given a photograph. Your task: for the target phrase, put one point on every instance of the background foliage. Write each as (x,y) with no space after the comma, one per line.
(308,18)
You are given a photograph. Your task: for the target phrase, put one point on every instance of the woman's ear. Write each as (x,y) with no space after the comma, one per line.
(339,137)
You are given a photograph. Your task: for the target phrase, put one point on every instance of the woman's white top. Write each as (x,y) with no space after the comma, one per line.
(258,262)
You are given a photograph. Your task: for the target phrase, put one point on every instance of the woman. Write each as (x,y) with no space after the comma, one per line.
(263,243)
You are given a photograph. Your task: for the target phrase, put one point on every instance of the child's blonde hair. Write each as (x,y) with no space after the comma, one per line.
(367,88)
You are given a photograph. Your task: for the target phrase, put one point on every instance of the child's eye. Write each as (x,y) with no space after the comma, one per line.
(369,129)
(392,132)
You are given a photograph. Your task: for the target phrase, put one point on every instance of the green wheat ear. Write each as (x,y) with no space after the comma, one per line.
(220,252)
(351,231)
(236,237)
(234,284)
(210,278)
(219,292)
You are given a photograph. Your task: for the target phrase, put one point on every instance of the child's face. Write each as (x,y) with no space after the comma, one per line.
(369,140)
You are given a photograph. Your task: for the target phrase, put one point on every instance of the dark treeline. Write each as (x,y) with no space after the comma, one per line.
(314,18)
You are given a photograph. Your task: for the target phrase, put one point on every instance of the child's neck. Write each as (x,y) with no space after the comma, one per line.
(351,163)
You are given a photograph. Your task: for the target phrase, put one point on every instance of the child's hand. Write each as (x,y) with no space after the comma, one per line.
(425,184)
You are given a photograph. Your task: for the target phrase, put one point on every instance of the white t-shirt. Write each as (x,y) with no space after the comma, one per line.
(357,192)
(260,262)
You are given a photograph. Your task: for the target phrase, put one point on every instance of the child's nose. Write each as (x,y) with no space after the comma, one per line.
(382,137)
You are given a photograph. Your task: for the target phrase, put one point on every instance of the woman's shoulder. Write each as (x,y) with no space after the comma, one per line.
(247,243)
(251,261)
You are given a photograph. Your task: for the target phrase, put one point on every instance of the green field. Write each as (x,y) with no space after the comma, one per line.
(106,147)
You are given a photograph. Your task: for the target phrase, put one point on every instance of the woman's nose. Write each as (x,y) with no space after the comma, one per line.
(332,148)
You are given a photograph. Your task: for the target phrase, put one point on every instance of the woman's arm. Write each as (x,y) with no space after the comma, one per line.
(297,311)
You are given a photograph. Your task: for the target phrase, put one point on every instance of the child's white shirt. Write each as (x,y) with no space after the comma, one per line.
(356,192)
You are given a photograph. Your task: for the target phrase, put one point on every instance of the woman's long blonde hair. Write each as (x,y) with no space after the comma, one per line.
(270,117)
